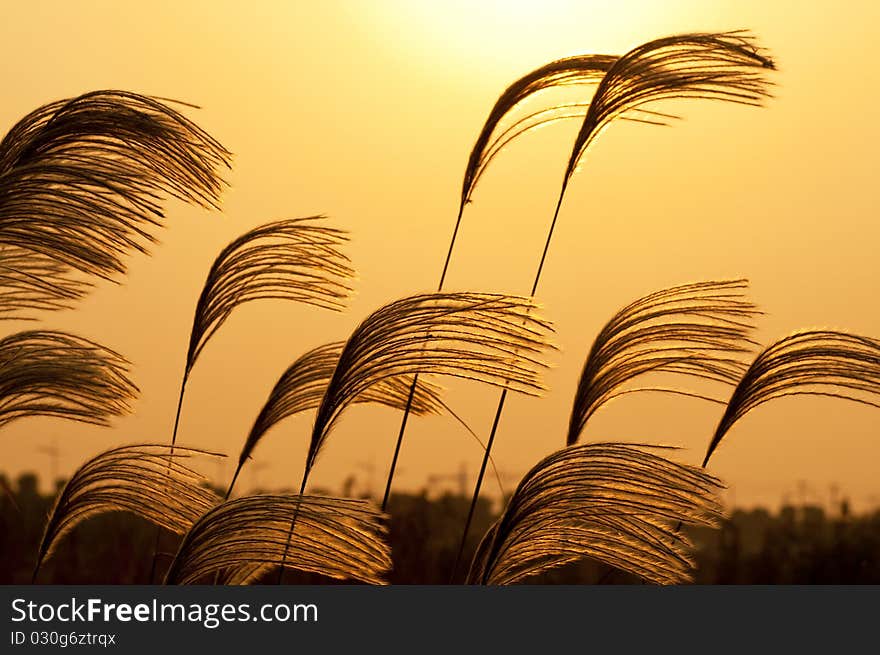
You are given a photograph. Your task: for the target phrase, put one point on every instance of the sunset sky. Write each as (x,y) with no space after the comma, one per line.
(366,112)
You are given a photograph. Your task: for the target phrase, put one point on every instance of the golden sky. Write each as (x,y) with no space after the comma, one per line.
(366,111)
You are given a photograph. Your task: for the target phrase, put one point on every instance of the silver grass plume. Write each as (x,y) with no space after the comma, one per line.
(302,386)
(144,479)
(613,502)
(294,259)
(490,338)
(580,69)
(700,330)
(725,66)
(49,373)
(30,281)
(816,362)
(337,537)
(81,186)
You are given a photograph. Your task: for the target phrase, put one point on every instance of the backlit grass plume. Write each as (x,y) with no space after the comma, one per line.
(700,330)
(337,537)
(580,69)
(30,281)
(723,66)
(295,259)
(490,338)
(81,185)
(817,362)
(49,373)
(616,503)
(144,479)
(302,386)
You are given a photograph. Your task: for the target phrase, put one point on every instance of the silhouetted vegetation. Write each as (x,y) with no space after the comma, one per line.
(81,186)
(797,545)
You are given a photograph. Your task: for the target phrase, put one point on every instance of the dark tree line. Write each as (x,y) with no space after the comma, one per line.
(797,545)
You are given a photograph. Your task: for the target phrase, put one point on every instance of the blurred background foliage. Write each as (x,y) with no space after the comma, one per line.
(802,544)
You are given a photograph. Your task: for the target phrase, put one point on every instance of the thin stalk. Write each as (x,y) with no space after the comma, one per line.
(476,495)
(702,466)
(173,441)
(409,399)
(503,398)
(412,389)
(225,498)
(302,490)
(232,482)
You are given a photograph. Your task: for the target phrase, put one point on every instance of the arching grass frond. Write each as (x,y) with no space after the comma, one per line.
(145,479)
(490,338)
(815,362)
(302,386)
(49,373)
(29,281)
(613,502)
(337,537)
(700,330)
(294,259)
(581,69)
(81,186)
(724,66)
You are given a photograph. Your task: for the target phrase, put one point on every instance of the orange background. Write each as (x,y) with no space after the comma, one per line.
(366,111)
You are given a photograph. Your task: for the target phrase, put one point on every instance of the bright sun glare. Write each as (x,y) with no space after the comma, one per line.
(491,32)
(498,36)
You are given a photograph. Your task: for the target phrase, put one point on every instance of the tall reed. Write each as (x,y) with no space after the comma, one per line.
(302,386)
(700,330)
(827,363)
(582,69)
(51,373)
(336,537)
(724,66)
(145,479)
(81,184)
(612,502)
(293,259)
(490,338)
